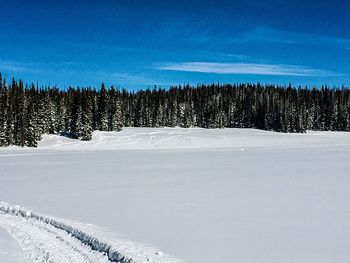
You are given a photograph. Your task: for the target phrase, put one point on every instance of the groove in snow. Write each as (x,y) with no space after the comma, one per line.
(49,240)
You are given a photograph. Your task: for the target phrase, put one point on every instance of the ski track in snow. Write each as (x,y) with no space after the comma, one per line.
(47,240)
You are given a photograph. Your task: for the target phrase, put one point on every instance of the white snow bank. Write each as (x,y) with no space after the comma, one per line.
(192,138)
(123,252)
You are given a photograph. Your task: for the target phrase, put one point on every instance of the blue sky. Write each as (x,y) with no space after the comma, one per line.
(137,44)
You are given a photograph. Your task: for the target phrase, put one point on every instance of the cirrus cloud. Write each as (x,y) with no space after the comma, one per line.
(246,68)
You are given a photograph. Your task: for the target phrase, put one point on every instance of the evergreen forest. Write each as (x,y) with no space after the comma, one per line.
(28,111)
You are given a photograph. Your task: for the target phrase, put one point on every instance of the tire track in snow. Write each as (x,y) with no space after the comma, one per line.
(48,240)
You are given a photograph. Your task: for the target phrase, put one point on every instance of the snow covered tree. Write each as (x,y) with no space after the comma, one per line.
(76,116)
(27,112)
(102,109)
(85,131)
(117,120)
(30,129)
(3,113)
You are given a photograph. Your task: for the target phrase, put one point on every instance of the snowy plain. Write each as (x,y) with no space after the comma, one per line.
(10,251)
(226,195)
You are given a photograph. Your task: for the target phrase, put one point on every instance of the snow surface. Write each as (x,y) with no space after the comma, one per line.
(47,239)
(10,251)
(230,195)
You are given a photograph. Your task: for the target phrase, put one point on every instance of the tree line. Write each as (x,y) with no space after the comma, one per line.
(29,111)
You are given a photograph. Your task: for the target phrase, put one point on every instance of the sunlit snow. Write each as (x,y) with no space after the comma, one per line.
(226,195)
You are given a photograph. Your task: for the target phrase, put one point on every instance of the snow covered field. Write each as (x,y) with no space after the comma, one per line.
(10,251)
(231,195)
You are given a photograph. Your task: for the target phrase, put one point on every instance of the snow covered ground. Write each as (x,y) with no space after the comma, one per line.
(231,195)
(10,251)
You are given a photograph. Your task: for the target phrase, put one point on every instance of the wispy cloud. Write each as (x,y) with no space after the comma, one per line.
(14,66)
(246,68)
(129,78)
(220,56)
(266,34)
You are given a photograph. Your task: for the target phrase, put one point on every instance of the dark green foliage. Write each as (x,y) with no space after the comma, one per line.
(102,109)
(30,127)
(28,112)
(76,116)
(3,113)
(86,128)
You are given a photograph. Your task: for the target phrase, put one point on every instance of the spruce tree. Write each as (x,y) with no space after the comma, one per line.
(85,132)
(102,109)
(76,116)
(28,112)
(31,129)
(3,113)
(117,121)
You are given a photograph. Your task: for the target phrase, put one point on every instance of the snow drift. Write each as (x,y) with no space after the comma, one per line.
(192,138)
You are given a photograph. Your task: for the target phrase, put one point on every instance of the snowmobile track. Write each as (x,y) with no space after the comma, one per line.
(49,240)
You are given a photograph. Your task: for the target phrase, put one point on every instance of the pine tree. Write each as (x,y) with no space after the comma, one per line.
(85,133)
(117,122)
(9,125)
(76,116)
(3,113)
(28,112)
(43,113)
(19,113)
(102,109)
(114,111)
(31,128)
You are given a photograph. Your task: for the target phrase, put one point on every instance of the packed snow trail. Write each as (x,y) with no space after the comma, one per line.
(48,240)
